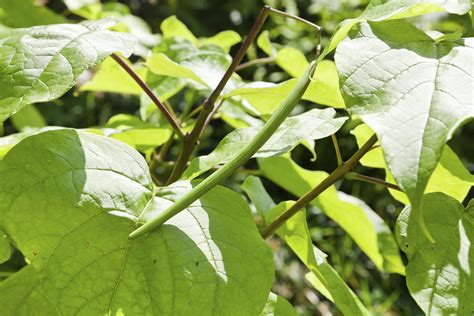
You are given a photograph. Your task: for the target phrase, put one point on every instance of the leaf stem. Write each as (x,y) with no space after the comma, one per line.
(336,148)
(336,175)
(250,63)
(239,160)
(361,177)
(168,115)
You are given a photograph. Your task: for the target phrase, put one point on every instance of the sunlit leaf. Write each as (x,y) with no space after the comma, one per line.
(314,124)
(41,63)
(296,235)
(363,225)
(89,192)
(411,90)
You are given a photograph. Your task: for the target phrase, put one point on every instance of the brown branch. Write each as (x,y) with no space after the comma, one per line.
(171,119)
(361,177)
(336,175)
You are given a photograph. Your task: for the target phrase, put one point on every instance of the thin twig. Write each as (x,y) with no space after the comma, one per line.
(336,175)
(257,61)
(171,119)
(336,148)
(361,177)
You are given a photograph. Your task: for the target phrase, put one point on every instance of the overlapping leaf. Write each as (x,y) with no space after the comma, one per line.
(439,276)
(41,63)
(411,90)
(311,125)
(380,10)
(86,193)
(364,226)
(296,234)
(450,175)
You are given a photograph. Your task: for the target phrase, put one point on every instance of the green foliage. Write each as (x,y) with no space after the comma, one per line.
(71,196)
(41,63)
(85,223)
(293,131)
(367,229)
(439,276)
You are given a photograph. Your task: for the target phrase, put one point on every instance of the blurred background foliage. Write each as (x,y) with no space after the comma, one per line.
(385,294)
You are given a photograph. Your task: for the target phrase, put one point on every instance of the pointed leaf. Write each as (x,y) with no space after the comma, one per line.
(411,90)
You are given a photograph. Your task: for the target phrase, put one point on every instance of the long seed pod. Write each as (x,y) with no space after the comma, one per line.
(282,112)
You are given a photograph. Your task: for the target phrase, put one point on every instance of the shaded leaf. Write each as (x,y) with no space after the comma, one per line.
(439,276)
(24,13)
(28,117)
(89,193)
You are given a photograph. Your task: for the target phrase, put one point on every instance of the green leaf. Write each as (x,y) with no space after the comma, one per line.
(278,306)
(380,10)
(450,175)
(411,90)
(5,250)
(136,133)
(314,124)
(160,64)
(41,63)
(224,39)
(292,61)
(89,193)
(364,226)
(28,117)
(26,13)
(77,4)
(110,77)
(205,65)
(296,235)
(263,42)
(21,294)
(439,276)
(172,27)
(265,96)
(260,198)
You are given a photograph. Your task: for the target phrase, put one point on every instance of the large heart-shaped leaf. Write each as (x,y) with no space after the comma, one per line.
(69,200)
(439,276)
(311,125)
(411,90)
(41,63)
